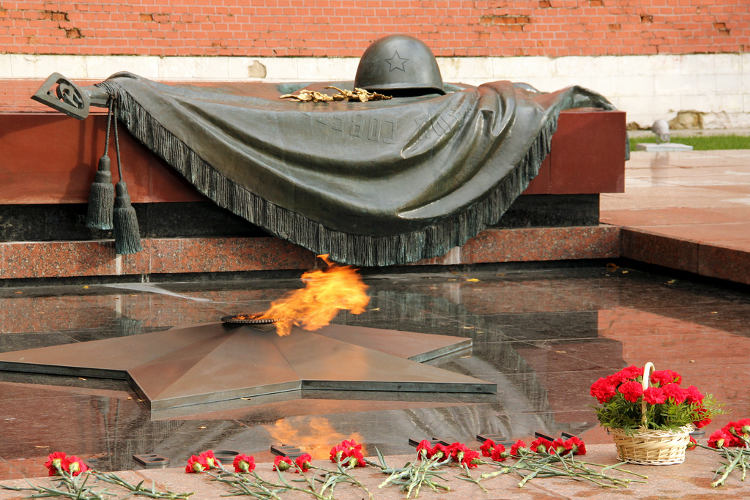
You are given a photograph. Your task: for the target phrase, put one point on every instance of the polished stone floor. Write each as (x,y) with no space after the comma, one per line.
(542,333)
(687,211)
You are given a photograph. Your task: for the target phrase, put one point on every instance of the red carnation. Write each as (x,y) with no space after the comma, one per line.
(282,463)
(518,448)
(720,438)
(74,465)
(210,459)
(664,377)
(705,420)
(561,447)
(629,373)
(424,449)
(540,445)
(631,391)
(655,396)
(337,453)
(674,393)
(498,453)
(457,450)
(603,390)
(357,460)
(303,462)
(487,447)
(577,445)
(439,451)
(54,462)
(345,448)
(348,451)
(701,423)
(693,395)
(196,464)
(462,454)
(740,426)
(469,458)
(692,444)
(243,463)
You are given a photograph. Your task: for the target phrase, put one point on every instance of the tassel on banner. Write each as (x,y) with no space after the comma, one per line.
(126,231)
(102,193)
(127,235)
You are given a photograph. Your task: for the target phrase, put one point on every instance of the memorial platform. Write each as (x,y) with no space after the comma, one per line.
(683,210)
(43,234)
(542,333)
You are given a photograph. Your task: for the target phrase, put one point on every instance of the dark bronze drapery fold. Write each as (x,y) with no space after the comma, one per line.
(373,183)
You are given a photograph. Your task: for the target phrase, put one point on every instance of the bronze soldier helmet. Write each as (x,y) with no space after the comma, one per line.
(399,63)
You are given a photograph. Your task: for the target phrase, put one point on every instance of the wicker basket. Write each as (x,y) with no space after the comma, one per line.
(650,446)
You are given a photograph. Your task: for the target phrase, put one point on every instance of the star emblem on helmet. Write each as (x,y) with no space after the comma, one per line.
(396,62)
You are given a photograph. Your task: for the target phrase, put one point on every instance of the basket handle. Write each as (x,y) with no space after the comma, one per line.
(647,369)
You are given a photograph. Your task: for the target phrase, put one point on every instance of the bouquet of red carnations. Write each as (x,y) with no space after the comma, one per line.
(650,414)
(660,402)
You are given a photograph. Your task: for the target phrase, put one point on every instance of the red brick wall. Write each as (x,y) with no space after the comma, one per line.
(344,28)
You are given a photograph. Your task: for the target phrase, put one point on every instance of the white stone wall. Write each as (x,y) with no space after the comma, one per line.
(647,87)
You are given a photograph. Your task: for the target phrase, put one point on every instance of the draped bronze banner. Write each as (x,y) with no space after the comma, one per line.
(370,183)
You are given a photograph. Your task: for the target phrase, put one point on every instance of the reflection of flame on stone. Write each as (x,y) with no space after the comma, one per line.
(317,440)
(326,292)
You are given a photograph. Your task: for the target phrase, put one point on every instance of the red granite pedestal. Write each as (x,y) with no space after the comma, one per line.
(587,157)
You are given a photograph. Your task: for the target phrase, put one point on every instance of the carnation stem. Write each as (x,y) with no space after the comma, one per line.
(617,468)
(310,491)
(529,477)
(727,468)
(340,475)
(136,489)
(744,467)
(490,475)
(243,485)
(310,482)
(470,478)
(413,475)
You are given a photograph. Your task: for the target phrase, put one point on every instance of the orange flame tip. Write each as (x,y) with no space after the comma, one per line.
(326,292)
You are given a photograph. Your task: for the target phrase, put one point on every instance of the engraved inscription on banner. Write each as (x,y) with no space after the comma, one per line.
(361,126)
(440,125)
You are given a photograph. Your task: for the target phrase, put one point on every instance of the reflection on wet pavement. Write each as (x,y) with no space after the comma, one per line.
(543,334)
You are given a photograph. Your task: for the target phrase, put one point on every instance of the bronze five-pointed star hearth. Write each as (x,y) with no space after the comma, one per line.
(213,362)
